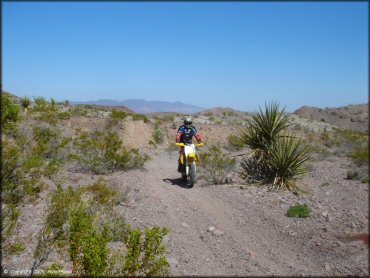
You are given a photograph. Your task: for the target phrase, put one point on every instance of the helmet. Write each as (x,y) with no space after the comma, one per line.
(188,121)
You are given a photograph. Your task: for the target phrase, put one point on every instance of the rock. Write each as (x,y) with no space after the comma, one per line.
(211,229)
(207,260)
(218,232)
(325,213)
(327,267)
(184,224)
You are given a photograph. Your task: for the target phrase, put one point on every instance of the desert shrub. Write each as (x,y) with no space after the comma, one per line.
(87,244)
(140,117)
(100,152)
(10,116)
(25,102)
(47,116)
(21,173)
(361,155)
(158,136)
(277,157)
(365,180)
(116,114)
(84,232)
(235,142)
(64,115)
(9,217)
(49,141)
(62,201)
(78,110)
(41,104)
(15,248)
(144,254)
(216,165)
(298,210)
(102,193)
(53,103)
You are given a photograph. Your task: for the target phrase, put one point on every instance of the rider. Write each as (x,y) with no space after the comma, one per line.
(185,134)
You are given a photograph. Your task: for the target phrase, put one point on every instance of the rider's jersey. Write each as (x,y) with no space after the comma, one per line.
(185,134)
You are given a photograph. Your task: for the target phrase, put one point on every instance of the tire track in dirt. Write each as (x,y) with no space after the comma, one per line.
(243,250)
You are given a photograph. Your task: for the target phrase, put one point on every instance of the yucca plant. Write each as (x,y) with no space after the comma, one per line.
(286,159)
(264,128)
(276,157)
(53,103)
(25,102)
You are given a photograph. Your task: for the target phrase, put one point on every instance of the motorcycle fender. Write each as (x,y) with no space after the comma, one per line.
(191,157)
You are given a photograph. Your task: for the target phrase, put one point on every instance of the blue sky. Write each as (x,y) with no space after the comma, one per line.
(237,54)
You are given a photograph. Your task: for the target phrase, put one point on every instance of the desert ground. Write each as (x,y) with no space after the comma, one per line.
(231,229)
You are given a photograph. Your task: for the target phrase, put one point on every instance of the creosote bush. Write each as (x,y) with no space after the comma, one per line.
(10,116)
(117,114)
(102,152)
(76,224)
(216,165)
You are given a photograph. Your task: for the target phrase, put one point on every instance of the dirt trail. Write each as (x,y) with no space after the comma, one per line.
(256,240)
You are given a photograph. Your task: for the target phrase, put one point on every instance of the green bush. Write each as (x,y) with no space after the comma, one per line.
(145,253)
(140,117)
(47,116)
(84,231)
(10,116)
(365,180)
(21,172)
(102,193)
(361,155)
(158,136)
(15,248)
(78,110)
(216,165)
(41,104)
(116,114)
(87,244)
(277,157)
(100,153)
(64,115)
(235,142)
(301,211)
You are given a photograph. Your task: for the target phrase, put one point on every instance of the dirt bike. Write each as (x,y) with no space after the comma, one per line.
(189,161)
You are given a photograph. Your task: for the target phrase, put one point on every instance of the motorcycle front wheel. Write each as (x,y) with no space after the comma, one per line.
(192,174)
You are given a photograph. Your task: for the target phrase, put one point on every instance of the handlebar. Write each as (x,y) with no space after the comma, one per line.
(183,145)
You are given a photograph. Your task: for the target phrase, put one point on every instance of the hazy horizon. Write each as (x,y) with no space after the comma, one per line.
(207,54)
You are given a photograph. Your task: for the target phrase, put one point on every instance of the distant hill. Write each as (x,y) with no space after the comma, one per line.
(143,106)
(222,112)
(354,117)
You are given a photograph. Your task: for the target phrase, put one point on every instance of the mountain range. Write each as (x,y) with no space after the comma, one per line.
(145,107)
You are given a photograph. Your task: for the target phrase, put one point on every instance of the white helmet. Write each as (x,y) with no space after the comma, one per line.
(188,121)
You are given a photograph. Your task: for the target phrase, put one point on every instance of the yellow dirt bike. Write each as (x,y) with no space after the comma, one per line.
(189,161)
